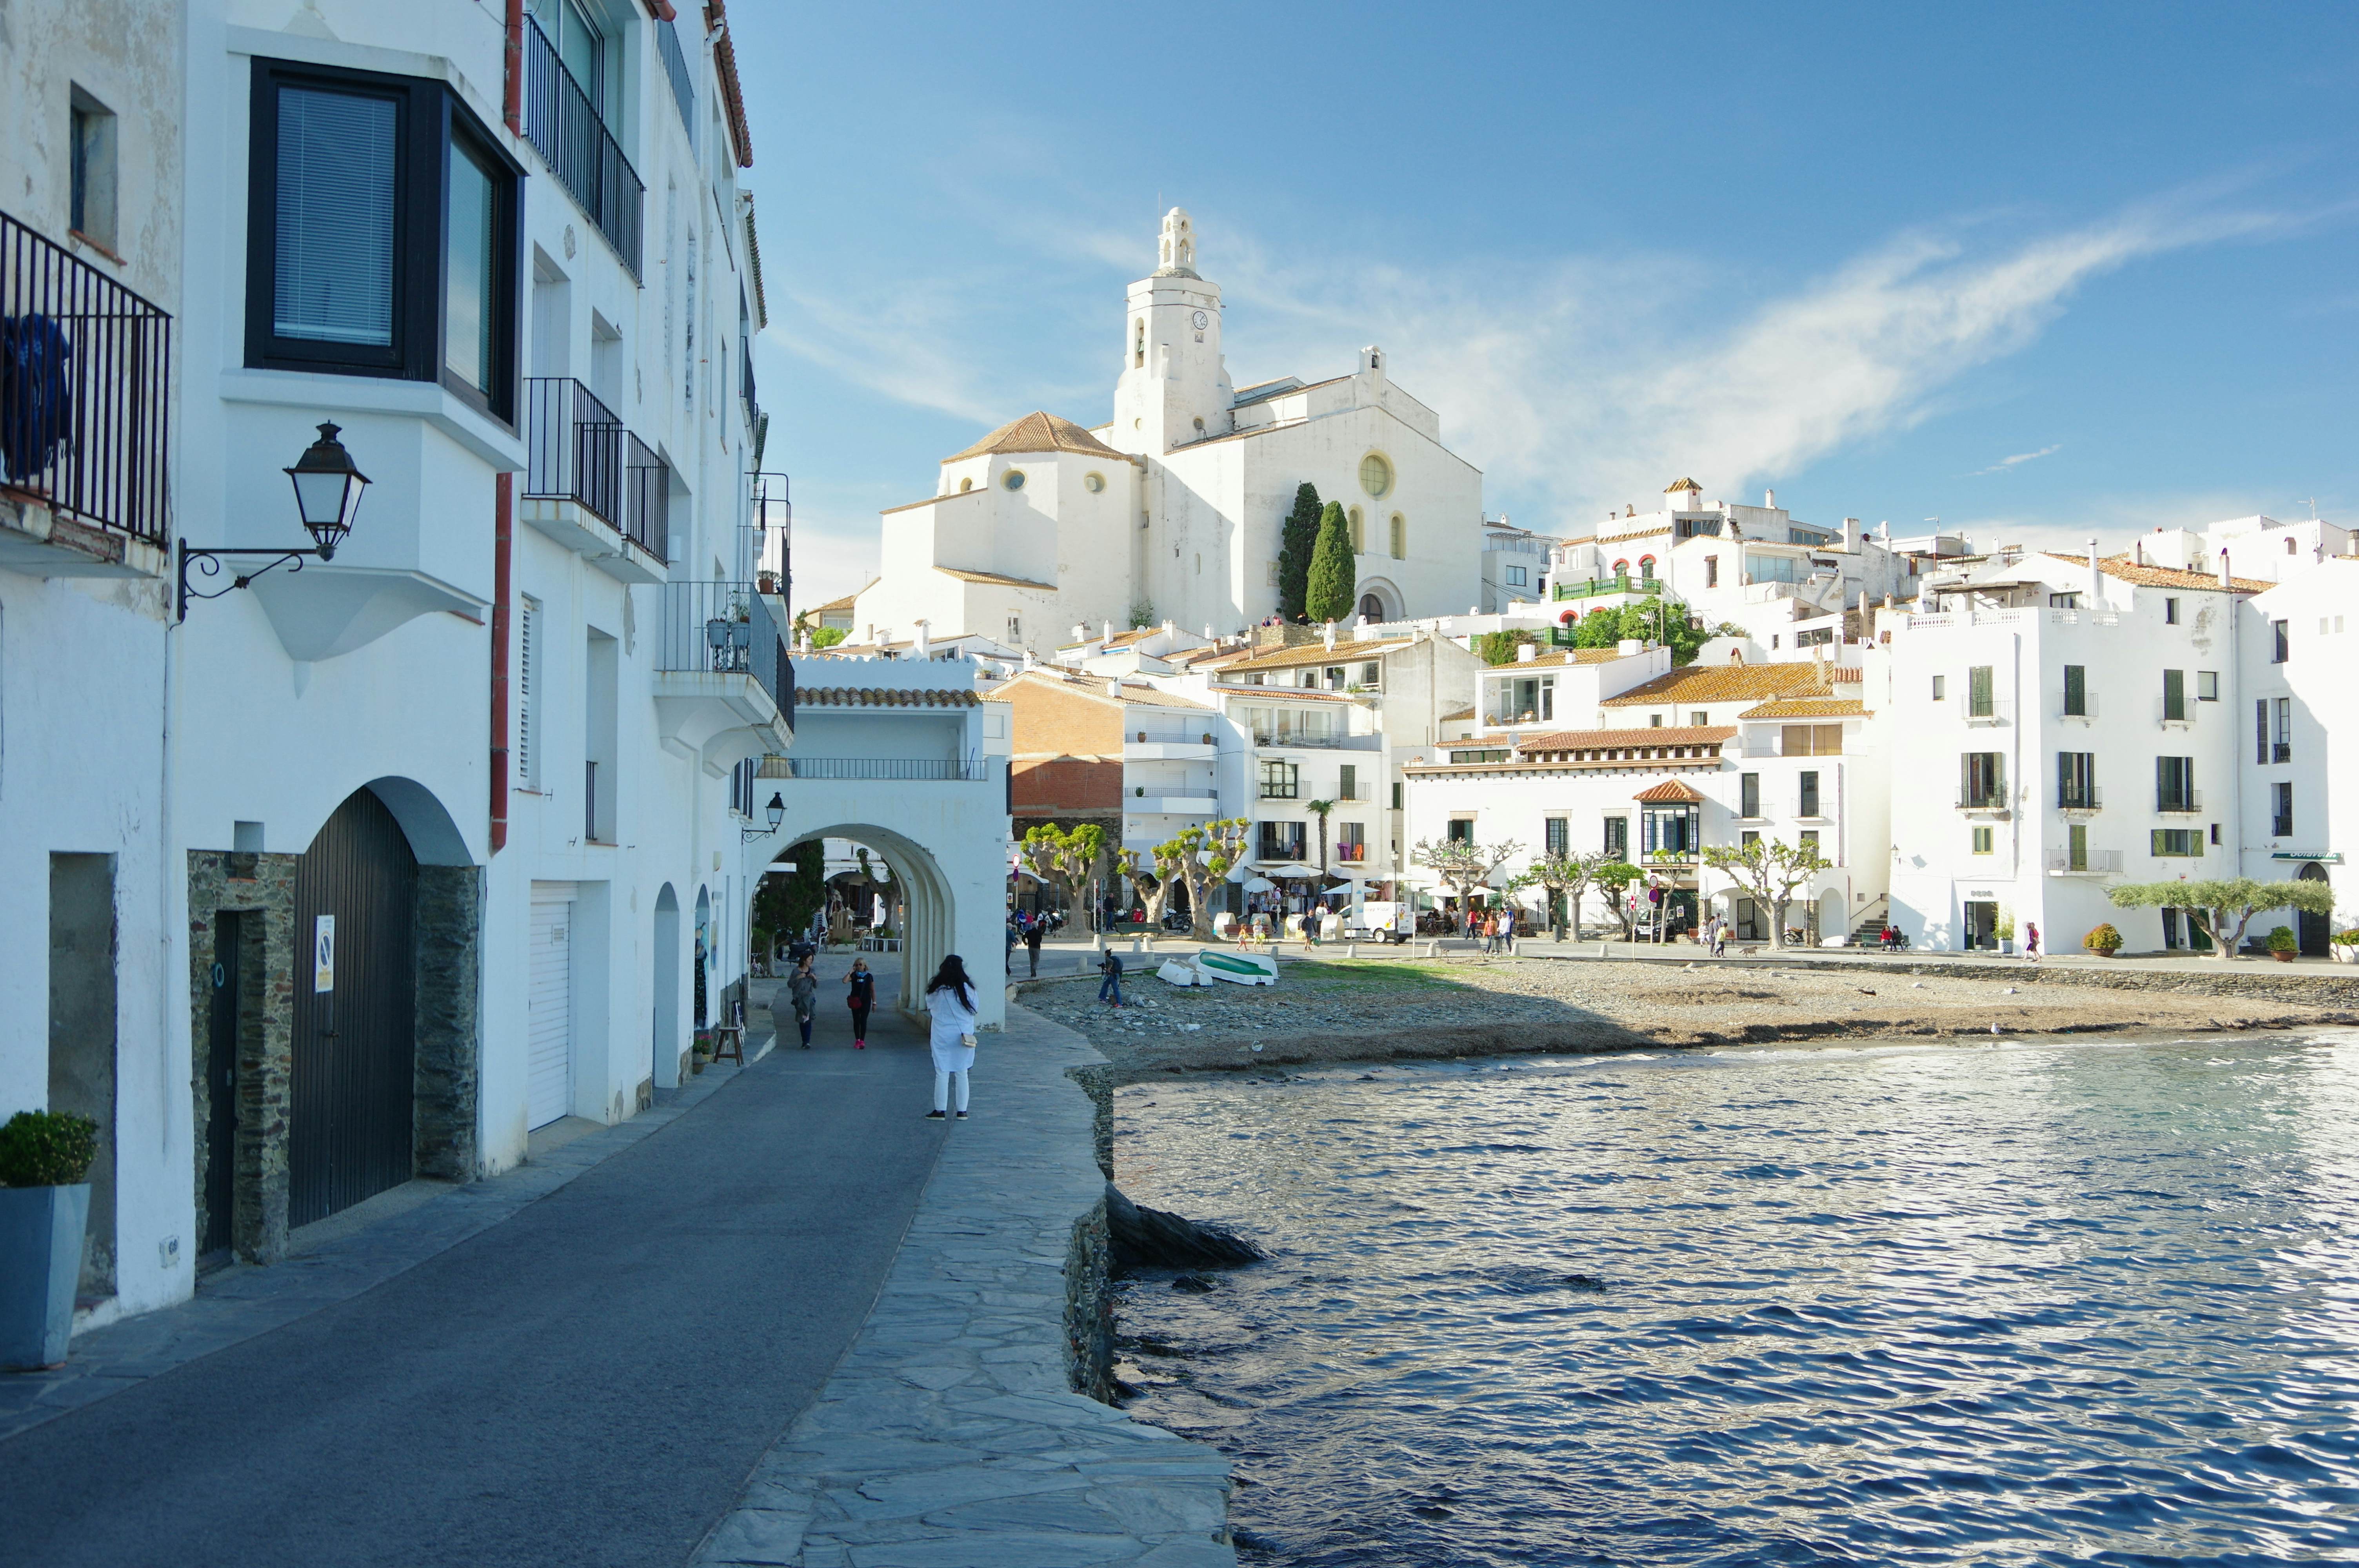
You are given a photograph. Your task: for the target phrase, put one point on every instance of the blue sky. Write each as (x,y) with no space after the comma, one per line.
(2037,271)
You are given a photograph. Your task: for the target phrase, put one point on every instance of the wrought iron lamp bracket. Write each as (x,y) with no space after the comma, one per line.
(208,564)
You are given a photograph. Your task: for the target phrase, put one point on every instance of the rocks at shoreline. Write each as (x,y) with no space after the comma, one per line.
(1145,1238)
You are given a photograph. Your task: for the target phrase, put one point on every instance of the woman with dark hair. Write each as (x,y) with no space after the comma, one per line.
(860,994)
(951,997)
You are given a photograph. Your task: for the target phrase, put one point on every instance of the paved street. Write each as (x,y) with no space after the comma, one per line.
(588,1382)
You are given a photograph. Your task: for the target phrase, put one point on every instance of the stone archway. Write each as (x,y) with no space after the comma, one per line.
(929,907)
(390,865)
(1379,601)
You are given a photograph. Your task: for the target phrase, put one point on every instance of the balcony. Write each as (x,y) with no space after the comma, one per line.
(1351,854)
(2085,713)
(565,128)
(2090,863)
(1281,740)
(1595,588)
(2170,717)
(1145,801)
(2185,803)
(1177,746)
(85,417)
(2080,802)
(724,689)
(1994,805)
(1997,710)
(592,485)
(2281,752)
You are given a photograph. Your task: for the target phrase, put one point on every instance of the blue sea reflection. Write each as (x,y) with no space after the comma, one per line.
(2005,1304)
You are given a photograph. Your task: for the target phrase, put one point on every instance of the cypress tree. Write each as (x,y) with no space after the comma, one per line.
(1333,581)
(1294,545)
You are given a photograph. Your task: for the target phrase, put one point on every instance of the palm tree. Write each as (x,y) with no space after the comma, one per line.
(1320,808)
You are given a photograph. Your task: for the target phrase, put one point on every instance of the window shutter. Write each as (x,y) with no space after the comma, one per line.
(527,646)
(335,217)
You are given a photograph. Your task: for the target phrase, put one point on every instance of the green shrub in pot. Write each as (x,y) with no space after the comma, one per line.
(44,1214)
(47,1149)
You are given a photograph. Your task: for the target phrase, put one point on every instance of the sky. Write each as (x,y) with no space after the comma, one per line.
(2040,273)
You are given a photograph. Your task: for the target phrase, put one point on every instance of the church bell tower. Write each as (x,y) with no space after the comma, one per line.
(1174,388)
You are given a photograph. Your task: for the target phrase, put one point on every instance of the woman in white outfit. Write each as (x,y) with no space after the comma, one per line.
(950,997)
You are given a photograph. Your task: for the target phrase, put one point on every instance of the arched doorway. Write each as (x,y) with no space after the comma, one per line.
(1379,599)
(926,908)
(1371,606)
(2311,929)
(666,989)
(703,955)
(351,1126)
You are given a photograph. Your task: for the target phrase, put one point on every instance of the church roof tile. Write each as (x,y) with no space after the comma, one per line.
(1038,432)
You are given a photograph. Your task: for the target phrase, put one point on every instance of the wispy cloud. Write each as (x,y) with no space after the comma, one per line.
(2018,459)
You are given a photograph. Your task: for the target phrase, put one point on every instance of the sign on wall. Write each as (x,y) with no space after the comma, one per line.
(324,953)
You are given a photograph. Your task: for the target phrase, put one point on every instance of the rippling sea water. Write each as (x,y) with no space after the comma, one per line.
(2013,1304)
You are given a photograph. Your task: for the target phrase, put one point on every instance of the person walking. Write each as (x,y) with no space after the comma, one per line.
(1110,966)
(860,995)
(802,986)
(1507,930)
(1033,934)
(2031,940)
(951,997)
(1719,937)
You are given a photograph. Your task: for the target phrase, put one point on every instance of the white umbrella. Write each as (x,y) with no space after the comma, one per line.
(1260,884)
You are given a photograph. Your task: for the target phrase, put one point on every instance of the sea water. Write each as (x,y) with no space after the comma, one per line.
(2009,1303)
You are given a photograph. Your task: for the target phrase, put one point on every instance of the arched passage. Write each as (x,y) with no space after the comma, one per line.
(1379,599)
(666,949)
(930,908)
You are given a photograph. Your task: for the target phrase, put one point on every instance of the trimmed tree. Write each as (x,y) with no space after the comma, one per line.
(1334,581)
(1154,885)
(1201,858)
(1614,876)
(1566,877)
(1295,544)
(2226,904)
(1659,618)
(1770,870)
(1464,866)
(1064,860)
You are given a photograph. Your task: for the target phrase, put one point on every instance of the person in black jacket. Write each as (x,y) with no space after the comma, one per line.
(860,995)
(1033,934)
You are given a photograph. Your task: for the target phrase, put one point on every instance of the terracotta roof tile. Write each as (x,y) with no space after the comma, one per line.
(1453,718)
(996,580)
(1623,740)
(881,697)
(1809,707)
(1319,654)
(1038,432)
(1669,791)
(1725,683)
(2130,571)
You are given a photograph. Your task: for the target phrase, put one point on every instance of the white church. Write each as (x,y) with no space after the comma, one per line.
(1172,511)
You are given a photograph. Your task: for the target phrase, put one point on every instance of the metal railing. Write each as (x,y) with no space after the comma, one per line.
(2088,708)
(684,86)
(2092,798)
(972,770)
(573,447)
(566,128)
(1280,738)
(85,389)
(1171,738)
(1595,586)
(647,499)
(774,511)
(2187,803)
(2092,862)
(1994,710)
(724,628)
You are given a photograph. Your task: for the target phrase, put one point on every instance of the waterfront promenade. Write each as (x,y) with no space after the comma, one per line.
(584,1360)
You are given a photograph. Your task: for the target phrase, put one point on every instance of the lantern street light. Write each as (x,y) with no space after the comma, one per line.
(776,811)
(327,493)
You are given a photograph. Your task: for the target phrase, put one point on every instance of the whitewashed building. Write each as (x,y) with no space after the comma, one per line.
(2299,816)
(1173,508)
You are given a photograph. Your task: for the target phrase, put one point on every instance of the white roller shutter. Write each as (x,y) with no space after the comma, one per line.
(549,1040)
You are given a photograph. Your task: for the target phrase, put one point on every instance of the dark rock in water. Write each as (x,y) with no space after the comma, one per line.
(1194,1285)
(1585,1282)
(1145,1238)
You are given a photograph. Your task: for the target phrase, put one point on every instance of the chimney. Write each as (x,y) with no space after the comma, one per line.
(2224,579)
(1080,633)
(1769,499)
(2096,579)
(924,648)
(1526,652)
(1167,626)
(1105,631)
(2137,550)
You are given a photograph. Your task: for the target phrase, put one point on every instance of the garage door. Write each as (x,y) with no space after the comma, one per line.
(549,1058)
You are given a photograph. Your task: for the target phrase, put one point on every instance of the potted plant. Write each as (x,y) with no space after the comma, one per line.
(2283,945)
(2345,946)
(2006,932)
(2105,941)
(44,1213)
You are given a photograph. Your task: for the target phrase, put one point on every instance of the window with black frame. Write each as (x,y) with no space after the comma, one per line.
(381,236)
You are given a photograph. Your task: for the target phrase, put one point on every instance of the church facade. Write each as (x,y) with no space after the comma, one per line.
(1173,508)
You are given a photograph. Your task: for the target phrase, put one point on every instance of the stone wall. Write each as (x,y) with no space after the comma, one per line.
(262,887)
(1089,1307)
(449,928)
(2264,980)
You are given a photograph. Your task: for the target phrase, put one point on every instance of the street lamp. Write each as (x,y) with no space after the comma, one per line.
(326,495)
(776,811)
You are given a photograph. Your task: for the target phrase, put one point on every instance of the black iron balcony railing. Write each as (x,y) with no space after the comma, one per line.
(564,125)
(647,499)
(774,512)
(573,447)
(724,628)
(85,389)
(683,88)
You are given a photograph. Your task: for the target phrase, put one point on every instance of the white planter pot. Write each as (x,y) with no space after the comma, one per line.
(40,1262)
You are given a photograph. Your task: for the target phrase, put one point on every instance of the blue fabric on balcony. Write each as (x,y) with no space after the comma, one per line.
(35,399)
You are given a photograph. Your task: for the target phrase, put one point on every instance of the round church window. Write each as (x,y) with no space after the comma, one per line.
(1376,474)
(1014,479)
(1093,482)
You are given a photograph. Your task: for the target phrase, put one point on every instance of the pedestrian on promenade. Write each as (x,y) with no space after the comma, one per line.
(950,997)
(860,995)
(1490,926)
(1507,929)
(1032,935)
(802,986)
(2031,940)
(1720,936)
(1110,966)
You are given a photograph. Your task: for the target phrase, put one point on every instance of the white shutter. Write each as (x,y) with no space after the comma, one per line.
(549,968)
(528,750)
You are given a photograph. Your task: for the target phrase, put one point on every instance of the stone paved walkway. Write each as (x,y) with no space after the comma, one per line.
(947,1437)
